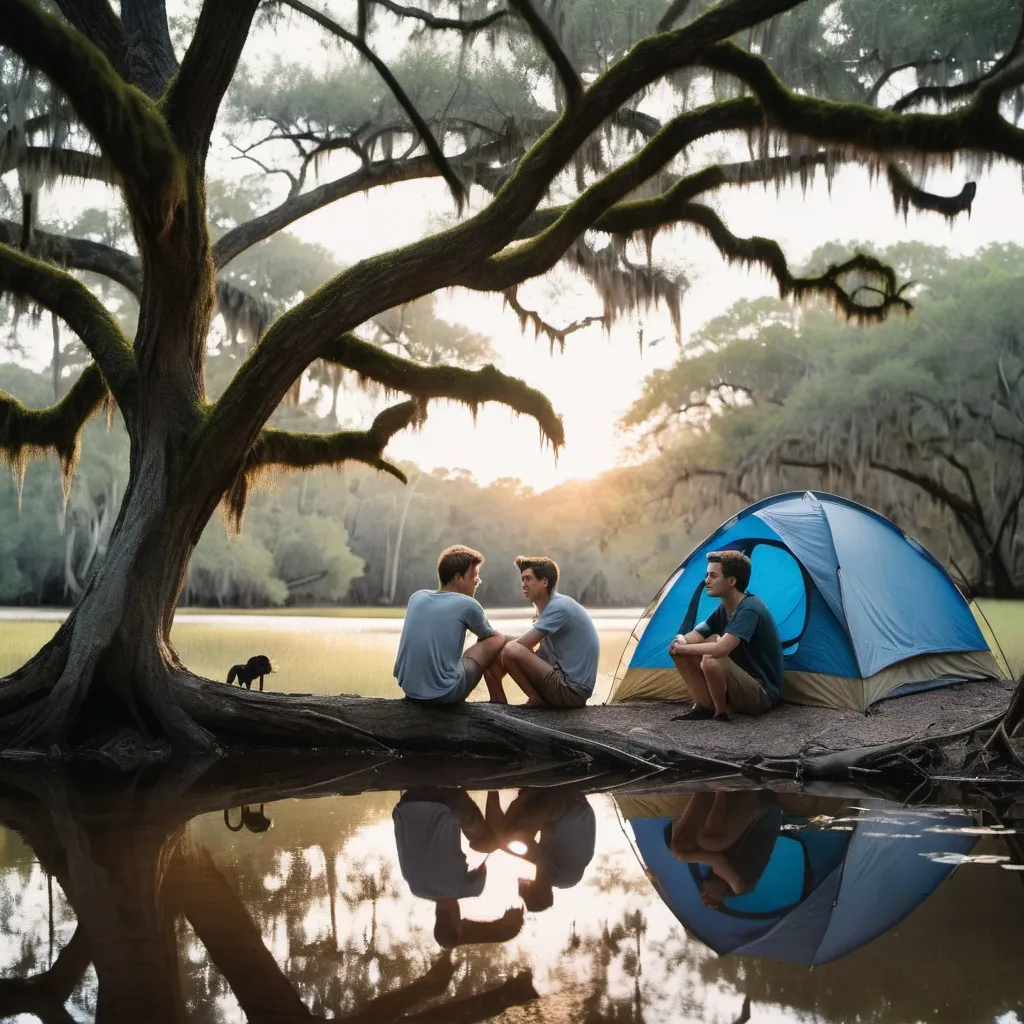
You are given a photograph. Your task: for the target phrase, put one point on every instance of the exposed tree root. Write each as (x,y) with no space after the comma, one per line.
(129,720)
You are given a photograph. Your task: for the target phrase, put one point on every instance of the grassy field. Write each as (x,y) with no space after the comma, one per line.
(360,662)
(330,612)
(1006,619)
(341,662)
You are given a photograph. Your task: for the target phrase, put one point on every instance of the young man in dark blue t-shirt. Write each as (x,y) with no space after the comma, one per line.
(734,659)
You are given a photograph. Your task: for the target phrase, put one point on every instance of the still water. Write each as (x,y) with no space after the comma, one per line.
(545,904)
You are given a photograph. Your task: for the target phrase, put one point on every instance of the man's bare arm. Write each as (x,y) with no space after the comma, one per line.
(716,648)
(693,637)
(530,638)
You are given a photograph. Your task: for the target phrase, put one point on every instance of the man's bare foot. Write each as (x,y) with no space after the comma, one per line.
(496,693)
(531,703)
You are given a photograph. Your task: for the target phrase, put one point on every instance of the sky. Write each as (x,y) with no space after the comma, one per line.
(595,380)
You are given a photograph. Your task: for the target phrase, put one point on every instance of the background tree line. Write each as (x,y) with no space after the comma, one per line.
(351,536)
(921,417)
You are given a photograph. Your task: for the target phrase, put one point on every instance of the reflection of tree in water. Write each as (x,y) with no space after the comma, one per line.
(623,976)
(133,874)
(36,924)
(614,875)
(615,952)
(327,916)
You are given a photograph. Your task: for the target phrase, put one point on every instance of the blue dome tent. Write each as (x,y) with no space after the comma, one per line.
(824,892)
(864,611)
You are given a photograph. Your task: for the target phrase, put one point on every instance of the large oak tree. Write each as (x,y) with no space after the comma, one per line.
(568,172)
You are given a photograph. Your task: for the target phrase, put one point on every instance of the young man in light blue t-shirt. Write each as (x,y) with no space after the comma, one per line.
(563,671)
(431,666)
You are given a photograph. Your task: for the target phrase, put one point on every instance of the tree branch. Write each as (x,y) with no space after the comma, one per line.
(275,447)
(151,59)
(636,121)
(631,216)
(567,74)
(555,335)
(768,254)
(195,94)
(470,387)
(978,126)
(55,163)
(44,995)
(958,505)
(968,476)
(96,20)
(675,11)
(380,172)
(57,291)
(433,147)
(876,88)
(906,194)
(57,427)
(434,22)
(945,93)
(306,451)
(79,254)
(125,123)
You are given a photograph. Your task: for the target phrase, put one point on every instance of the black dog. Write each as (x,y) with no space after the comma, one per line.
(259,665)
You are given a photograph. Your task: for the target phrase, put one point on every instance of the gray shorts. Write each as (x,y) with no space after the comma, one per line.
(470,674)
(555,691)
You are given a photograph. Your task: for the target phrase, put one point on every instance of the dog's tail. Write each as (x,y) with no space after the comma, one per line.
(233,674)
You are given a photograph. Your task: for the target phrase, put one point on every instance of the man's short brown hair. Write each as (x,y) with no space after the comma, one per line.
(734,564)
(456,561)
(543,568)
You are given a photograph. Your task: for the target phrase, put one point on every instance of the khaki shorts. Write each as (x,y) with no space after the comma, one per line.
(744,693)
(555,691)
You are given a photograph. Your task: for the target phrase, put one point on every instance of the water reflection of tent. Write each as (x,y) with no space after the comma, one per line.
(825,891)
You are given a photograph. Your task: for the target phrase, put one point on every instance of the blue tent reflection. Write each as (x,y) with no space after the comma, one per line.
(830,884)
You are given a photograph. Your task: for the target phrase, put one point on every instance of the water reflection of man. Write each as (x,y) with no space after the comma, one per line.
(732,832)
(563,848)
(429,825)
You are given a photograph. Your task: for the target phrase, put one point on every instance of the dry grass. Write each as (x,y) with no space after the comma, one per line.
(1007,622)
(345,661)
(322,662)
(358,663)
(322,612)
(340,662)
(20,640)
